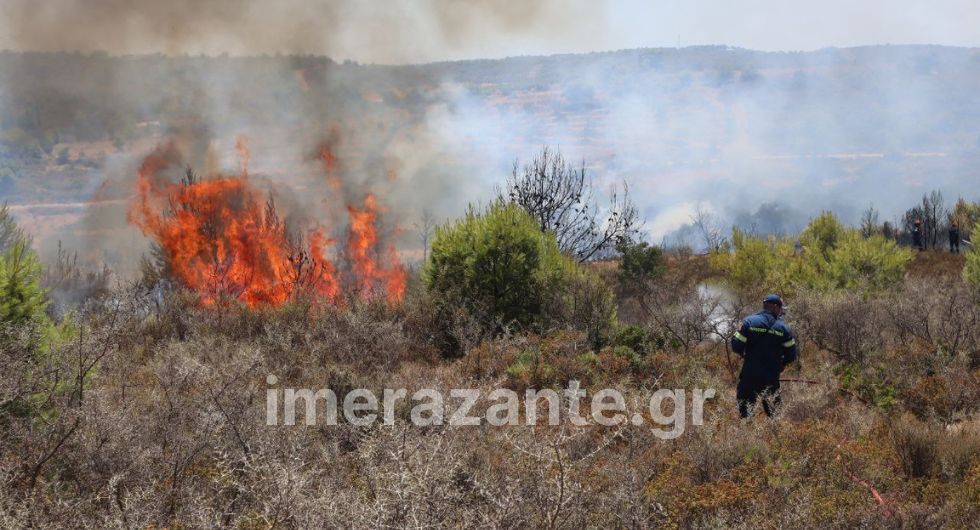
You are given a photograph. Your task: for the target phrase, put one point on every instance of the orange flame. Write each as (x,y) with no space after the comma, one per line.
(362,249)
(330,167)
(223,238)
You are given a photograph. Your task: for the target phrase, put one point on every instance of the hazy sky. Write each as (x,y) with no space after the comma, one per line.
(398,31)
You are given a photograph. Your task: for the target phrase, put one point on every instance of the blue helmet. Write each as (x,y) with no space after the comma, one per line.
(773,299)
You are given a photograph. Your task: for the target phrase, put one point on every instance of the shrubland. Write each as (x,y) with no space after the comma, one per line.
(148,412)
(827,257)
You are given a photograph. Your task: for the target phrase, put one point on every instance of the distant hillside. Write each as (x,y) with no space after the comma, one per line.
(96,96)
(684,125)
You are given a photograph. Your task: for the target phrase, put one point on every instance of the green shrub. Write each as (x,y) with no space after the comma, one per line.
(754,264)
(633,337)
(662,340)
(871,264)
(10,232)
(640,263)
(872,382)
(822,235)
(833,257)
(971,271)
(498,264)
(583,302)
(28,336)
(22,299)
(531,369)
(588,359)
(627,353)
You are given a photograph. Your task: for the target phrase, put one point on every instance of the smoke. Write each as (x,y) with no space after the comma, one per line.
(204,105)
(760,140)
(764,141)
(388,32)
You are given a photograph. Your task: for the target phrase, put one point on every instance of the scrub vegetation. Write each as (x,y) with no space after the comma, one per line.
(141,409)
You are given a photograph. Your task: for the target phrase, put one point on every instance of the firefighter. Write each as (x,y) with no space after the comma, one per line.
(954,238)
(767,346)
(917,234)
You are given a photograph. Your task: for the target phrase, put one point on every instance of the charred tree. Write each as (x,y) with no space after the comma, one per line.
(561,199)
(932,215)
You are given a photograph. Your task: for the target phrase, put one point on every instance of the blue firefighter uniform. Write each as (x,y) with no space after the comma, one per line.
(767,346)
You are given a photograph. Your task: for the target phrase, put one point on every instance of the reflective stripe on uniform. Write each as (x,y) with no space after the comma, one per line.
(790,342)
(767,330)
(741,337)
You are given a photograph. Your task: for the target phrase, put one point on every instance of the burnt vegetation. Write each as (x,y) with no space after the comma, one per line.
(560,196)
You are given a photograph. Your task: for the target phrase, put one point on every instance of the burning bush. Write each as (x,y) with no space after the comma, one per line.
(362,252)
(223,238)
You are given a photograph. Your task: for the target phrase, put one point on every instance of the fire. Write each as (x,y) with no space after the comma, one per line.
(223,238)
(362,250)
(329,159)
(330,167)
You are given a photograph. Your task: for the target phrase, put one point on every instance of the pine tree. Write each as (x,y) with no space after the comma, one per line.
(10,233)
(21,297)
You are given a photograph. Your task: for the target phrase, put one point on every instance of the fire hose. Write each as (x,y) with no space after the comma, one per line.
(875,494)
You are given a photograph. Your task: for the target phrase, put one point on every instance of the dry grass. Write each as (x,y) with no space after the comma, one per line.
(168,430)
(933,263)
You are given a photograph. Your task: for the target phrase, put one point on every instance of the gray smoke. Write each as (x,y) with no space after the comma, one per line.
(716,129)
(205,105)
(388,32)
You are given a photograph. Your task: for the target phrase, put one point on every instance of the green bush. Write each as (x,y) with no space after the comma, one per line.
(633,337)
(822,235)
(10,233)
(498,264)
(640,263)
(21,298)
(836,257)
(754,264)
(971,271)
(584,302)
(833,257)
(871,381)
(628,354)
(28,336)
(531,369)
(871,264)
(23,301)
